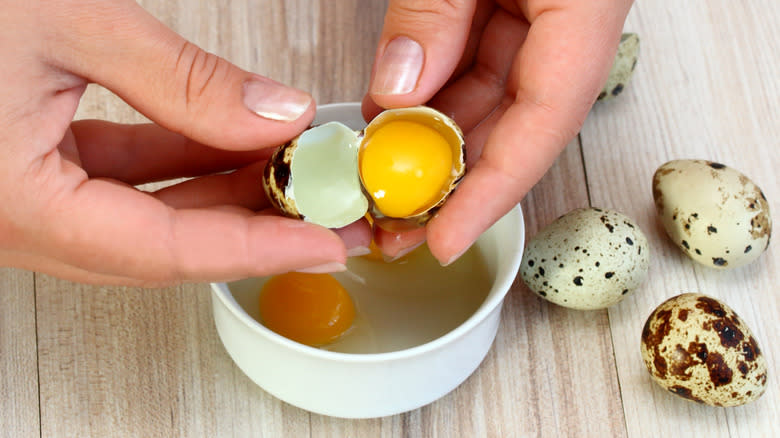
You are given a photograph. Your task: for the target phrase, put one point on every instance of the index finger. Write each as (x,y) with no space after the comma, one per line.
(552,85)
(111,229)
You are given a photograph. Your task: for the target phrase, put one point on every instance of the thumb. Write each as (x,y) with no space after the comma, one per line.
(420,46)
(117,44)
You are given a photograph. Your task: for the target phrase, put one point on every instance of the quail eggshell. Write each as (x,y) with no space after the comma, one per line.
(696,347)
(314,177)
(452,133)
(589,258)
(622,67)
(712,212)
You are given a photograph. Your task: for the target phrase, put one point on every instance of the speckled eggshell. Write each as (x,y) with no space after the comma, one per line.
(276,179)
(697,348)
(713,213)
(622,67)
(450,131)
(589,258)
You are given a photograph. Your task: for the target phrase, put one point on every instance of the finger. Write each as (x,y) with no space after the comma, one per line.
(452,232)
(143,153)
(476,137)
(484,83)
(369,108)
(482,15)
(130,234)
(64,271)
(356,237)
(420,47)
(477,93)
(173,82)
(556,77)
(396,245)
(243,187)
(483,11)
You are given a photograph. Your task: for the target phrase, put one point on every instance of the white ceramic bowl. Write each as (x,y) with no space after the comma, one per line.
(380,384)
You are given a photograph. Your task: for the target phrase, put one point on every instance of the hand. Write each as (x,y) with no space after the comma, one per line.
(518,76)
(69,207)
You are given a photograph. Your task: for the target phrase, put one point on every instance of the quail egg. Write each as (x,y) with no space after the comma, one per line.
(622,67)
(589,258)
(400,168)
(696,347)
(713,213)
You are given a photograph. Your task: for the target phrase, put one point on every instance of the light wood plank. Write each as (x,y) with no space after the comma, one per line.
(134,362)
(706,86)
(547,359)
(131,362)
(18,357)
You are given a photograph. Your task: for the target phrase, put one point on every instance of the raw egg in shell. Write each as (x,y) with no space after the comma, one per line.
(400,168)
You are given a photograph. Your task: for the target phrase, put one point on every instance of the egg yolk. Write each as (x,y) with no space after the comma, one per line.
(313,309)
(405,167)
(375,253)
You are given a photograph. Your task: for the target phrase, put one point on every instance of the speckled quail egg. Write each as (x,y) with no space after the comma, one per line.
(622,67)
(401,168)
(696,347)
(589,258)
(715,214)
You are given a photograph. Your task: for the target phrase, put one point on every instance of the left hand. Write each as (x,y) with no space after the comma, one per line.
(69,203)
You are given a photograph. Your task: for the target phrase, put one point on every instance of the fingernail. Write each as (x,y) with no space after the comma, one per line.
(399,67)
(457,256)
(275,101)
(324,268)
(358,251)
(403,252)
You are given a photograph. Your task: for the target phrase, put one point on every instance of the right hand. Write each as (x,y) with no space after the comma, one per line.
(519,76)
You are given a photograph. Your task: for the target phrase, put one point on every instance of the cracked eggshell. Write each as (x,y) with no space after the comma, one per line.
(696,347)
(712,212)
(589,258)
(451,132)
(314,177)
(622,68)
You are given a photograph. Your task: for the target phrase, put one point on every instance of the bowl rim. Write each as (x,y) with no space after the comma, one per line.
(221,291)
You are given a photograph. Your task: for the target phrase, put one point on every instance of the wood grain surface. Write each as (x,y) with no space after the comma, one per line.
(87,361)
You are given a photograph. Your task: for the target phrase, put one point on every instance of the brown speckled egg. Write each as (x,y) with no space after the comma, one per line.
(622,67)
(715,214)
(589,258)
(698,348)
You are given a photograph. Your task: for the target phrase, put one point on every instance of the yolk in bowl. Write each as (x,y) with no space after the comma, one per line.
(313,309)
(405,166)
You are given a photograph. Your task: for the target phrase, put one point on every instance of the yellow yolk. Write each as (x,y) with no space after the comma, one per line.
(375,254)
(313,309)
(405,167)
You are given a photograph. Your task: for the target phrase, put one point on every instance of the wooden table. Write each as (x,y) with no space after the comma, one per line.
(82,361)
